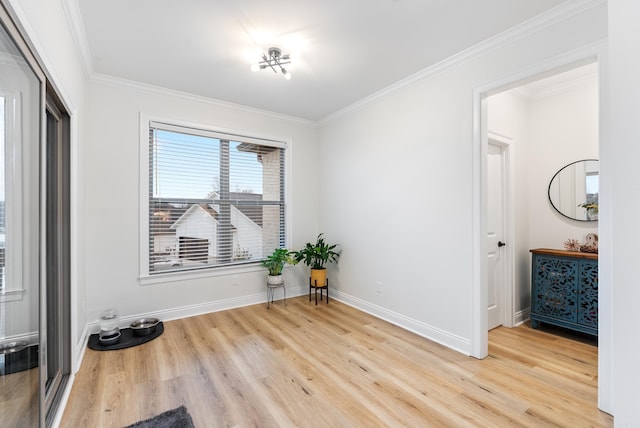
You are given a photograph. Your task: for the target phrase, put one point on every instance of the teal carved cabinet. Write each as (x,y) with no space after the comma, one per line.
(564,289)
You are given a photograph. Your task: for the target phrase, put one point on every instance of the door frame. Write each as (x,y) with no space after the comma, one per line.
(595,52)
(508,227)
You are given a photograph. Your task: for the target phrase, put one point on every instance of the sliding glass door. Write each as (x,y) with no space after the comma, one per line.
(21,90)
(34,237)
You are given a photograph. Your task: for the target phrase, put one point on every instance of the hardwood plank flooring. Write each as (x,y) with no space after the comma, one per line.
(303,365)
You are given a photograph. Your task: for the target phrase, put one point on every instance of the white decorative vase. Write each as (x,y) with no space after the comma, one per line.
(274,279)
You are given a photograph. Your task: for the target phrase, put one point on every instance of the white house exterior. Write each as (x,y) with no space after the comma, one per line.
(200,222)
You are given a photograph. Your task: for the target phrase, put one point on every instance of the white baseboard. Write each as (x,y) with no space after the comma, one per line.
(437,335)
(521,316)
(198,309)
(31,338)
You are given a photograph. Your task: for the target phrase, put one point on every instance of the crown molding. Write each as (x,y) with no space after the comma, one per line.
(79,35)
(520,31)
(144,87)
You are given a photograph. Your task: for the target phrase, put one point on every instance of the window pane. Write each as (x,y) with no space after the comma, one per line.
(185,166)
(212,201)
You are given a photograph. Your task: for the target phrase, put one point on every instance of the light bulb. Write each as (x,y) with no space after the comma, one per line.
(255,67)
(287,75)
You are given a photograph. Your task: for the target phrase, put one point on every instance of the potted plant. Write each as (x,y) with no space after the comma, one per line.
(592,210)
(275,263)
(316,256)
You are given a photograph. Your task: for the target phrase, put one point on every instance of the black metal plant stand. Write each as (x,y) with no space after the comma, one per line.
(319,287)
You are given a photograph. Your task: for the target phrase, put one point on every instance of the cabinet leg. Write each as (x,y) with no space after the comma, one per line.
(535,323)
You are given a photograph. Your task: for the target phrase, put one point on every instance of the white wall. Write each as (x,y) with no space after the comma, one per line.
(113,198)
(397,186)
(549,132)
(564,129)
(620,156)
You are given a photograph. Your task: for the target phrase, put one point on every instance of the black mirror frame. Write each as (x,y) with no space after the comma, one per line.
(551,182)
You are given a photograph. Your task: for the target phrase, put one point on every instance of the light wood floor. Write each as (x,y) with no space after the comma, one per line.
(332,365)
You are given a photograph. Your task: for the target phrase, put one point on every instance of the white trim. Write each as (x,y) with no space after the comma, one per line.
(146,122)
(605,257)
(479,263)
(31,338)
(556,89)
(589,53)
(520,31)
(14,172)
(210,272)
(12,295)
(201,308)
(521,317)
(144,87)
(74,236)
(427,331)
(218,133)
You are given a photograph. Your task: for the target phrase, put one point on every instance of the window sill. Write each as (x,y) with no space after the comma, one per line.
(162,278)
(12,295)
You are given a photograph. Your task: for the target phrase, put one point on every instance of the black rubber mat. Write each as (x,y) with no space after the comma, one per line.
(127,339)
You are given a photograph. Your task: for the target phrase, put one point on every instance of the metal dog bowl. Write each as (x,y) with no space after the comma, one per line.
(109,339)
(12,347)
(144,326)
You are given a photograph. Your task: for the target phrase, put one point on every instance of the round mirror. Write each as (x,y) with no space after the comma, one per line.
(573,191)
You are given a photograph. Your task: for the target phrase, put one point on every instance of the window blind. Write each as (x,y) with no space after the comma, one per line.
(215,199)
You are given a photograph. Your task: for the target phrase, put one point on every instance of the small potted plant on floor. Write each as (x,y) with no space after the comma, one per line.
(275,263)
(316,256)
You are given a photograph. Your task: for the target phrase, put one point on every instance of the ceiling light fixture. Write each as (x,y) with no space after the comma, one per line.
(275,60)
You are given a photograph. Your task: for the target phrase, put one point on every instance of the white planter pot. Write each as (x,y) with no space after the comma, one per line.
(274,280)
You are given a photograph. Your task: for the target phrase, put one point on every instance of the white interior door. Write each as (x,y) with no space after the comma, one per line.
(495,234)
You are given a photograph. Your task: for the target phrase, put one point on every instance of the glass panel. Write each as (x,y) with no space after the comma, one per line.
(19,238)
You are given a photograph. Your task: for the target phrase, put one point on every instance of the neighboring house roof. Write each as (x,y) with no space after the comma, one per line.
(209,211)
(242,201)
(165,214)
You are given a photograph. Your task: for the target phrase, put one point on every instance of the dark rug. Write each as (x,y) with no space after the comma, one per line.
(176,418)
(127,339)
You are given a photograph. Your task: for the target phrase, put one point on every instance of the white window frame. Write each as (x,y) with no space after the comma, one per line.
(145,278)
(13,288)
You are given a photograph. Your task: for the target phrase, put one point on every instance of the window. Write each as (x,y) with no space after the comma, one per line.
(14,174)
(214,199)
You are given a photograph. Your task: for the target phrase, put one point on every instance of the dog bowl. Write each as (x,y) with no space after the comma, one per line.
(109,339)
(12,347)
(144,326)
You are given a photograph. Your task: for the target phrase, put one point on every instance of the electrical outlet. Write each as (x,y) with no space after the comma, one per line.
(234,280)
(379,286)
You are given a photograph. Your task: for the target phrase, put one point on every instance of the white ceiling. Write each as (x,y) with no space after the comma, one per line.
(345,50)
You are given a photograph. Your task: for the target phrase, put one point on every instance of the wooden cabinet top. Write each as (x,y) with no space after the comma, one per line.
(565,253)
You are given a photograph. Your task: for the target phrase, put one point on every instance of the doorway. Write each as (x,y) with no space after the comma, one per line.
(522,240)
